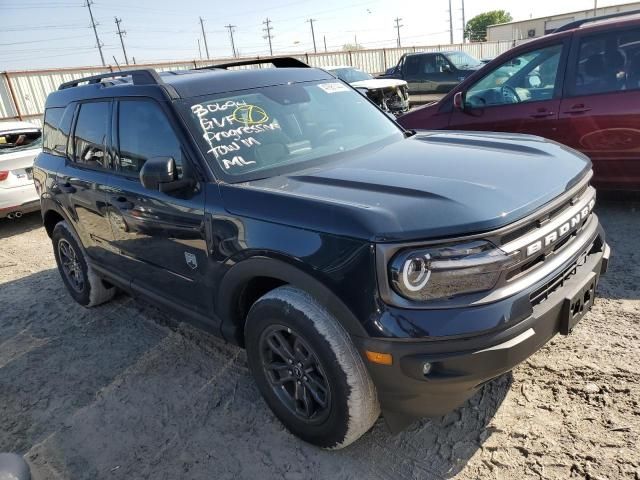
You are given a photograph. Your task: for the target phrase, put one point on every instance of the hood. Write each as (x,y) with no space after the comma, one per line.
(376,83)
(432,185)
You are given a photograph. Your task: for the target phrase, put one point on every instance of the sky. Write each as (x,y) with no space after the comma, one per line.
(57,33)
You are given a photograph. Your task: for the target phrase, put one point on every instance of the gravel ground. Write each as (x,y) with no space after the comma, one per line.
(122,391)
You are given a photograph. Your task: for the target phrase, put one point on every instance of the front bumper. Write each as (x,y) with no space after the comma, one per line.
(460,366)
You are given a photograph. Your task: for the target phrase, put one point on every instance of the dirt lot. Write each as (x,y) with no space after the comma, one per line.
(121,391)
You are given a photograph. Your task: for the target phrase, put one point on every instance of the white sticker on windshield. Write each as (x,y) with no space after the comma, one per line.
(333,87)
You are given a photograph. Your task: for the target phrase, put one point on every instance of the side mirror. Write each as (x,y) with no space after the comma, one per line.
(157,171)
(458,101)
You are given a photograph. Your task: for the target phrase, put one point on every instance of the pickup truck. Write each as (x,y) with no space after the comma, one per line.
(435,72)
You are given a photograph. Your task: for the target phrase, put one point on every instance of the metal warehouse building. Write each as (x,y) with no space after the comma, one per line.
(537,27)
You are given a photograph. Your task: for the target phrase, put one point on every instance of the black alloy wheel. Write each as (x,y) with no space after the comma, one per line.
(295,374)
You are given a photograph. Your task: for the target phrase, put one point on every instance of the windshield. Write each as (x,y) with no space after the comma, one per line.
(15,141)
(350,75)
(463,60)
(257,133)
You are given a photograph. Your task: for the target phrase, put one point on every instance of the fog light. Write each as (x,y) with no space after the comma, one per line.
(426,368)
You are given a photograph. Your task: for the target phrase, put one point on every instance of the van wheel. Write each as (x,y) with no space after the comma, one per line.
(308,370)
(81,281)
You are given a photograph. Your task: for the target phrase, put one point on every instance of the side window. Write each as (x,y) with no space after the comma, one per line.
(609,62)
(429,64)
(57,123)
(91,133)
(145,132)
(442,64)
(52,118)
(527,78)
(412,64)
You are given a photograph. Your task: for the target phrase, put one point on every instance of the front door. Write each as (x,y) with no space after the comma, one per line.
(414,72)
(522,95)
(160,235)
(600,114)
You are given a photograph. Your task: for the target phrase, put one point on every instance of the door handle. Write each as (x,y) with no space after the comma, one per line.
(121,203)
(579,108)
(542,114)
(66,188)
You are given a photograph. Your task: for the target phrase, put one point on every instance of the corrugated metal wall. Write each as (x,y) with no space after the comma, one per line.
(23,93)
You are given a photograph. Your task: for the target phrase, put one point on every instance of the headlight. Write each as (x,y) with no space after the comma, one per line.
(445,271)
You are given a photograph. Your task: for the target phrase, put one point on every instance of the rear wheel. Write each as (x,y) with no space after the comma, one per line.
(308,370)
(81,281)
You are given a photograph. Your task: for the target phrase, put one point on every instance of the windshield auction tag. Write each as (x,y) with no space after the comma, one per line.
(333,87)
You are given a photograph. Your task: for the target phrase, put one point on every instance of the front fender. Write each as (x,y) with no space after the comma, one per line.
(262,266)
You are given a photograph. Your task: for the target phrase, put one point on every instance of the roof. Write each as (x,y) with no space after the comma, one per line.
(193,83)
(444,52)
(588,11)
(336,67)
(186,83)
(17,126)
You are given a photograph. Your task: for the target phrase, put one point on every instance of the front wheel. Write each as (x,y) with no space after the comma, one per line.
(308,370)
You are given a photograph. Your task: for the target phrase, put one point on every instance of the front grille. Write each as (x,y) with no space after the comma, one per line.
(543,293)
(539,228)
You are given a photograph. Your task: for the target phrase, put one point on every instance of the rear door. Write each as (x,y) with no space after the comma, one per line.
(600,114)
(522,95)
(160,235)
(80,185)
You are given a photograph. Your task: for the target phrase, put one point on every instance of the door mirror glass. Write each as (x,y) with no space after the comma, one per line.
(534,81)
(458,100)
(158,171)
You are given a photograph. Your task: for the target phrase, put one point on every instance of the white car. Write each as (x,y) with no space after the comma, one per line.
(20,142)
(390,94)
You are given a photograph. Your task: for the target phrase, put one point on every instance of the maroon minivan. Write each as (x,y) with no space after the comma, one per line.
(579,86)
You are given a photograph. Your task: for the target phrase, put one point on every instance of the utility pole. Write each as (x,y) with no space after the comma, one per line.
(204,35)
(121,33)
(93,24)
(450,24)
(268,35)
(397,20)
(233,45)
(464,23)
(324,37)
(199,49)
(595,8)
(313,35)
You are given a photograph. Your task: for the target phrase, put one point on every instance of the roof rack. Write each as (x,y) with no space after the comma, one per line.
(278,62)
(142,76)
(578,23)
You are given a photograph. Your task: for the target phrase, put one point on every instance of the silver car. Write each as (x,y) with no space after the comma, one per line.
(20,142)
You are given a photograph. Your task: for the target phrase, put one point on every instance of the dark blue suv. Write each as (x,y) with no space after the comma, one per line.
(365,268)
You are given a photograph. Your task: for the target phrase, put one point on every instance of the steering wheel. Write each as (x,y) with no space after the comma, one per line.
(509,94)
(327,134)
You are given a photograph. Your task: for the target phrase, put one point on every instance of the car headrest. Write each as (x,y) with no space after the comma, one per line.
(595,66)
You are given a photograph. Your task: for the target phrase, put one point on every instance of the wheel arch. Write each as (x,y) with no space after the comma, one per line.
(263,274)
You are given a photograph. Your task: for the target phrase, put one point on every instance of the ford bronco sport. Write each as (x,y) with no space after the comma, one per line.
(364,268)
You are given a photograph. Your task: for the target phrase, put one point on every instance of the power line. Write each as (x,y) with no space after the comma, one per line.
(268,35)
(313,35)
(398,26)
(40,41)
(121,33)
(204,35)
(233,45)
(93,24)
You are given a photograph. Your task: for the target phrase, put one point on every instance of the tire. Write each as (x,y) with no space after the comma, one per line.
(318,387)
(81,281)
